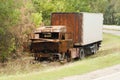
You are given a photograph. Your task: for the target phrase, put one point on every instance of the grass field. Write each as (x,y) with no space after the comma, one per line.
(108,55)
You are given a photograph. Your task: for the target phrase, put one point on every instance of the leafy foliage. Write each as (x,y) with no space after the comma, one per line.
(37,18)
(9,16)
(46,7)
(18,18)
(110,8)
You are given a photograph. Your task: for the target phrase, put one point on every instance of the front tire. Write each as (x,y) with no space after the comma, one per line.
(68,56)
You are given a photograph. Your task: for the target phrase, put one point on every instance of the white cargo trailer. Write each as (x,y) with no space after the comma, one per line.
(92,27)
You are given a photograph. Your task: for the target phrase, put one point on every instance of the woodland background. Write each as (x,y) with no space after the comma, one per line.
(18,18)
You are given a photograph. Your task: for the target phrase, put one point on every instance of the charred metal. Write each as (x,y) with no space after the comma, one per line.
(71,35)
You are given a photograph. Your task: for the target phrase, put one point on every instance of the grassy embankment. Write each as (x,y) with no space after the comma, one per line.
(108,55)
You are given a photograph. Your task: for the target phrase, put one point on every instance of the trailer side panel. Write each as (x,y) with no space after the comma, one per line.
(92,27)
(73,23)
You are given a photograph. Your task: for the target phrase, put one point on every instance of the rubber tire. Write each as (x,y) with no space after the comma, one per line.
(81,54)
(95,48)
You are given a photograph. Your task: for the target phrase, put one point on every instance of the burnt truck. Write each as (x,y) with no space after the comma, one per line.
(70,36)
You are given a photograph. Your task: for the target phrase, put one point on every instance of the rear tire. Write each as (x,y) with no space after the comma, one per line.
(81,54)
(95,48)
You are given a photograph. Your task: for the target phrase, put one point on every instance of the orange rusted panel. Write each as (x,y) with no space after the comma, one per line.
(45,47)
(74,52)
(73,23)
(65,45)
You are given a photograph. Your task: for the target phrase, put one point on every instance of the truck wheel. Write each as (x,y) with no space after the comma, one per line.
(95,48)
(81,54)
(68,56)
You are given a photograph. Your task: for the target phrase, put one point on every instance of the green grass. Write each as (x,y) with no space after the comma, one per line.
(110,41)
(110,45)
(76,68)
(108,55)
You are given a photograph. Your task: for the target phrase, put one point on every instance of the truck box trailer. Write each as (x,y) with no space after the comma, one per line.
(71,35)
(86,28)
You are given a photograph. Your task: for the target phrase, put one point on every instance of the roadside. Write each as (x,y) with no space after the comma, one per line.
(114,32)
(110,73)
(106,54)
(76,68)
(112,29)
(102,74)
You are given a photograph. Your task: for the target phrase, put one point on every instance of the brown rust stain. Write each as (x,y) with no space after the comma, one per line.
(73,23)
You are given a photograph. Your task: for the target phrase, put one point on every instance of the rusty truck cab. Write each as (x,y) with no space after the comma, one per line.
(51,42)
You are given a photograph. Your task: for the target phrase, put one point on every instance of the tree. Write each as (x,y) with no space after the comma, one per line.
(109,17)
(29,20)
(9,16)
(46,7)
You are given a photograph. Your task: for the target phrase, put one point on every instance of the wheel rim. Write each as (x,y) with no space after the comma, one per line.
(81,54)
(95,49)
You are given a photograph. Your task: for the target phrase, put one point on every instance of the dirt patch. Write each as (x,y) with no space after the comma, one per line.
(25,65)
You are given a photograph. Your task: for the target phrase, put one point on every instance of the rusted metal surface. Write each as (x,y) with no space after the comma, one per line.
(65,45)
(31,36)
(50,49)
(73,23)
(74,52)
(45,47)
(51,29)
(54,46)
(50,41)
(69,34)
